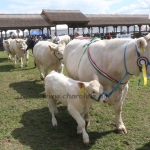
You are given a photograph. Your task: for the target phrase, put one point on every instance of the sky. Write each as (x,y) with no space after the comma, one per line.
(85,6)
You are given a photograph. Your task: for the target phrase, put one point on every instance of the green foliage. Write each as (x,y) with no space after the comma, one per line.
(25,121)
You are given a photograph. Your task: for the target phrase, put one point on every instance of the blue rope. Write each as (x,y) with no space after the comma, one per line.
(116,86)
(125,57)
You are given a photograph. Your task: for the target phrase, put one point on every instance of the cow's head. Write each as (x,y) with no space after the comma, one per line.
(21,44)
(7,43)
(143,46)
(58,50)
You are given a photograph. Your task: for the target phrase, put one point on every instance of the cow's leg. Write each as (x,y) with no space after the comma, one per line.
(9,57)
(45,71)
(118,108)
(27,58)
(60,70)
(21,62)
(41,74)
(81,123)
(52,108)
(14,56)
(8,54)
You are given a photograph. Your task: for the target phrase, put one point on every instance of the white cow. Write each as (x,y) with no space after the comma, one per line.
(48,55)
(6,47)
(68,91)
(18,49)
(112,60)
(65,38)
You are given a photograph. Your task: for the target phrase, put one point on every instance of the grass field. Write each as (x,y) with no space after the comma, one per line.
(25,121)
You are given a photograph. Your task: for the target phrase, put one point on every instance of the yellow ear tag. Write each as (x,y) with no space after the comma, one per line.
(82,90)
(144,74)
(141,50)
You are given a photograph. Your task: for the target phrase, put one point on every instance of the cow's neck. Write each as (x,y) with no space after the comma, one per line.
(125,63)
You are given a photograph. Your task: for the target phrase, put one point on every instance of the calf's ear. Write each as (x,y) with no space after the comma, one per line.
(81,85)
(95,77)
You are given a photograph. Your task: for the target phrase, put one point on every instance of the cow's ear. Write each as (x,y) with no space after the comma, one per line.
(17,41)
(147,37)
(63,43)
(141,44)
(95,77)
(52,48)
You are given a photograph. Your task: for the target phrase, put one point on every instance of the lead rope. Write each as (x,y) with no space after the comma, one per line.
(57,57)
(87,44)
(116,86)
(127,73)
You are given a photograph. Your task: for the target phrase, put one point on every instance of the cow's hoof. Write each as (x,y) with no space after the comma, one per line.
(122,131)
(42,78)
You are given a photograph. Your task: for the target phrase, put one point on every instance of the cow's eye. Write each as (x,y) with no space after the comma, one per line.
(58,53)
(93,92)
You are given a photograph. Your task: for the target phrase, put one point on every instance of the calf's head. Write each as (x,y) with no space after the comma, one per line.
(93,88)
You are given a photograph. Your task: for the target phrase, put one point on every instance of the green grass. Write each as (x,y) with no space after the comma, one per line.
(25,121)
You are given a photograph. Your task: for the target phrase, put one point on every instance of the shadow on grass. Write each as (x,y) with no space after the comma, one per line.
(29,89)
(3,59)
(23,68)
(39,134)
(145,147)
(6,68)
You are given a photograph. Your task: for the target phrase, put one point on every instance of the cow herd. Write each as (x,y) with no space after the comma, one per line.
(97,70)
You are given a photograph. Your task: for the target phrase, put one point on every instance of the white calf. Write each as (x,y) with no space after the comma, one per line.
(76,95)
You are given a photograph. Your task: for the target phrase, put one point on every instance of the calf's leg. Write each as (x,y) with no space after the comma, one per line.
(52,108)
(81,123)
(87,119)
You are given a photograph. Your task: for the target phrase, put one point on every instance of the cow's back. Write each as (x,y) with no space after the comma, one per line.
(72,56)
(65,38)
